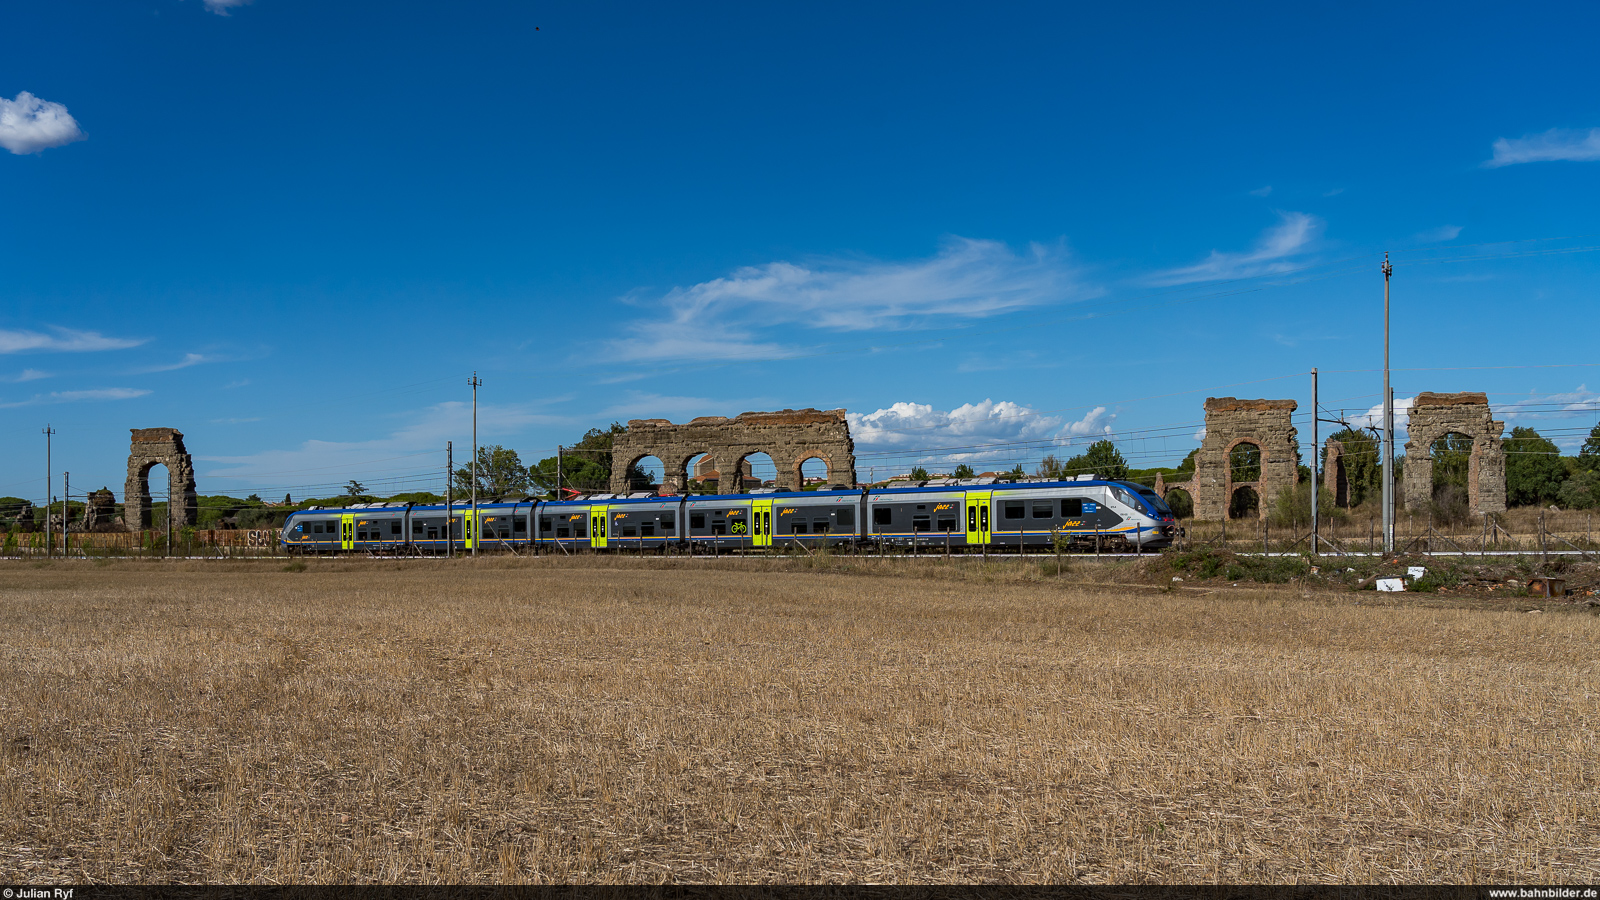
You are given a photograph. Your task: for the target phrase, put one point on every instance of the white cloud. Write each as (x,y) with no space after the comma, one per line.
(189,359)
(63,340)
(1440,234)
(920,425)
(1262,191)
(29,125)
(967,279)
(1200,433)
(963,433)
(78,396)
(1291,236)
(221,7)
(1373,418)
(26,375)
(1552,406)
(1557,144)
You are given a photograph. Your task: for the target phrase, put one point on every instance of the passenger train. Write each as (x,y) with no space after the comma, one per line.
(944,514)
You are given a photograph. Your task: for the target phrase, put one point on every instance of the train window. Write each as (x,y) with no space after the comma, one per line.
(520,526)
(433,532)
(545,523)
(947,523)
(1043,509)
(629,531)
(394,527)
(1072,506)
(648,529)
(882,515)
(1016,509)
(921,523)
(563,531)
(797,527)
(697,520)
(719,528)
(579,529)
(316,527)
(846,517)
(820,526)
(668,523)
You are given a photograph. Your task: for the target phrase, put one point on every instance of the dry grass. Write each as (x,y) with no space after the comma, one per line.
(567,721)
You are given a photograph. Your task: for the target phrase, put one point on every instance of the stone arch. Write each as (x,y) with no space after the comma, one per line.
(1230,422)
(152,447)
(675,472)
(784,435)
(1181,501)
(640,458)
(1433,416)
(799,467)
(752,471)
(1242,496)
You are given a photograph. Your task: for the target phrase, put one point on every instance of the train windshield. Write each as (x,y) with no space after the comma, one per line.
(1154,499)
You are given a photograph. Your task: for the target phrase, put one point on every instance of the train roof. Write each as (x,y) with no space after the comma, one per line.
(940,485)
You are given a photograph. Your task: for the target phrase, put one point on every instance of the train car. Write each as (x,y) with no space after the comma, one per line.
(948,514)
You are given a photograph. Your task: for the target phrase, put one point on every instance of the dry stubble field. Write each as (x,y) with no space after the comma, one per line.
(572,721)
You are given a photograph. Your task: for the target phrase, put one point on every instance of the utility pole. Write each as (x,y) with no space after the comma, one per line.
(1388,421)
(559,449)
(472,525)
(66,508)
(1316,460)
(49,487)
(168,551)
(449,499)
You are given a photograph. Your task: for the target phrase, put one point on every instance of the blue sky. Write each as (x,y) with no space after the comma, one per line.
(293,230)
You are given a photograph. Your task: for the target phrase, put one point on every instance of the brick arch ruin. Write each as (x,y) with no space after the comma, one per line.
(1433,416)
(1229,423)
(789,436)
(152,447)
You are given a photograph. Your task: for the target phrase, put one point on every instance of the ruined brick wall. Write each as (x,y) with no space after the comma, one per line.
(100,512)
(1435,415)
(789,436)
(1230,422)
(159,446)
(1334,478)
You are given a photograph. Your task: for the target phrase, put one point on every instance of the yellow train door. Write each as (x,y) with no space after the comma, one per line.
(597,527)
(471,526)
(761,523)
(347,532)
(978,514)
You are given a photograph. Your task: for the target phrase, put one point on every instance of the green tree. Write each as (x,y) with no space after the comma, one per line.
(1244,463)
(355,489)
(1589,453)
(500,474)
(918,473)
(1102,460)
(1050,467)
(586,465)
(1581,491)
(1188,462)
(1534,471)
(1017,472)
(964,471)
(1363,470)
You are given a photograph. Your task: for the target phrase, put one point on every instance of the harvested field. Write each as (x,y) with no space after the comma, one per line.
(636,721)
